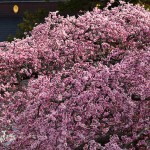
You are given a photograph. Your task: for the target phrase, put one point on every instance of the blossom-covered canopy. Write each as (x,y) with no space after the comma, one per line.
(78,83)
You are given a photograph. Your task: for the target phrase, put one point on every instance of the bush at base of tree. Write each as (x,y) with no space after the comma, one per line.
(78,83)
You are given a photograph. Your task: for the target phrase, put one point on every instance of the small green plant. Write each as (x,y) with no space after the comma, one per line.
(30,20)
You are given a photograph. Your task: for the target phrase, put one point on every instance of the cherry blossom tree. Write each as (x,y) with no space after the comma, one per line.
(78,83)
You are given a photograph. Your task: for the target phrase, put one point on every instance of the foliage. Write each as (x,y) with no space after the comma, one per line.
(30,20)
(74,6)
(78,83)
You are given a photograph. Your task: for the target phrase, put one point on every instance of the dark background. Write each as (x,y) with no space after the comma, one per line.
(9,20)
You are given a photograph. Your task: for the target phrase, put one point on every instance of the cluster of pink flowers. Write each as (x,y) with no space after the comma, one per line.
(78,83)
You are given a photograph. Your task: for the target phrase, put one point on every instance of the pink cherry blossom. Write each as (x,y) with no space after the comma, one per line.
(78,83)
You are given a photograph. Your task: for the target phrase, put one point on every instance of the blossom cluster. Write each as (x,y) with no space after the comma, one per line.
(78,83)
